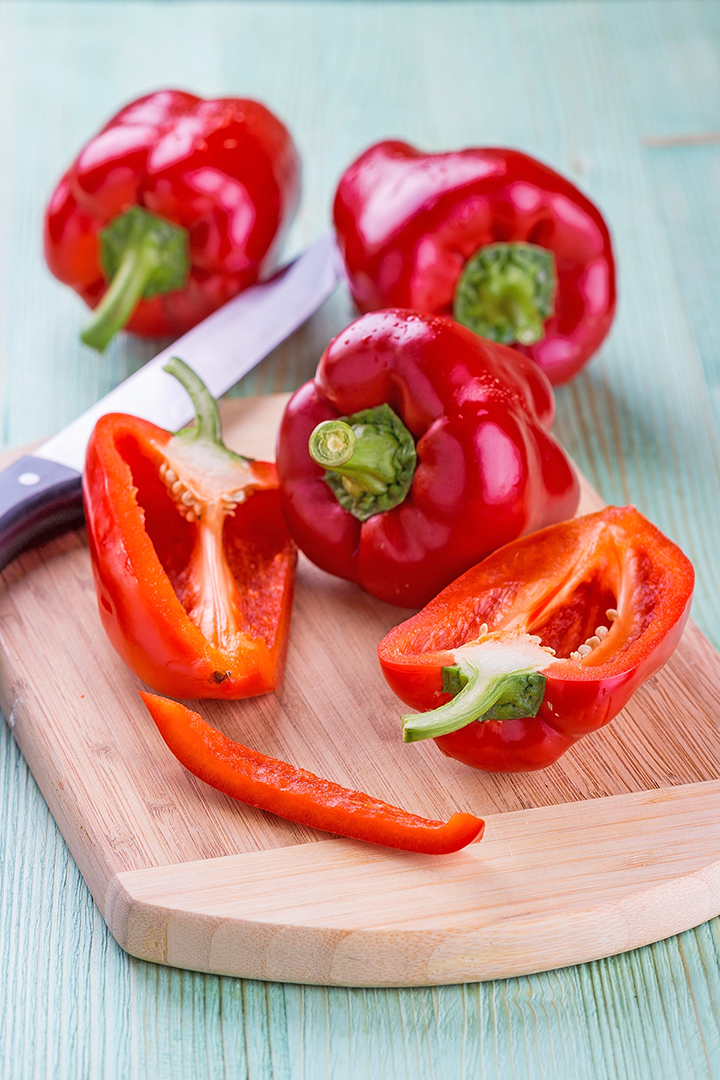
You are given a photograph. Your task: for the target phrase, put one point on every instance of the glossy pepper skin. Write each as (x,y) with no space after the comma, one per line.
(225,171)
(193,564)
(608,593)
(298,795)
(487,468)
(408,223)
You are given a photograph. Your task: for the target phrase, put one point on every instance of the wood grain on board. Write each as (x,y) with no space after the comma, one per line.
(187,876)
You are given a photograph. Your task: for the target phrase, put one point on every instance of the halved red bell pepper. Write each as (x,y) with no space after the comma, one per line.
(298,795)
(170,210)
(501,241)
(543,642)
(416,450)
(193,563)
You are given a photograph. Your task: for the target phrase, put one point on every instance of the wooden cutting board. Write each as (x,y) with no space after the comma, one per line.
(615,846)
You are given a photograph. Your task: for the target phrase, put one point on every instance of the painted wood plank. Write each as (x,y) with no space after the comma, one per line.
(581,85)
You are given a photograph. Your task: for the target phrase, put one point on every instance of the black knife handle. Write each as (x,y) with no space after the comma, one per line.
(38,498)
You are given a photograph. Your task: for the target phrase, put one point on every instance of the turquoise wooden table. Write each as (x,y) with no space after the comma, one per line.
(625,99)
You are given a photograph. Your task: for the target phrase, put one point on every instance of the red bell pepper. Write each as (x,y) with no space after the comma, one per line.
(193,563)
(173,208)
(543,642)
(436,450)
(297,795)
(509,246)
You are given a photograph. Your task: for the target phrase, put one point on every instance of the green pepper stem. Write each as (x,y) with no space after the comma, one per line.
(332,443)
(142,256)
(206,426)
(506,291)
(369,459)
(512,300)
(485,696)
(137,267)
(364,454)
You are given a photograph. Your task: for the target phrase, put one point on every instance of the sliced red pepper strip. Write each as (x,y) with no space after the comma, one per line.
(552,635)
(297,795)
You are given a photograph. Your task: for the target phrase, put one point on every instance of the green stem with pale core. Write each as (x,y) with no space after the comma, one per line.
(217,479)
(206,426)
(506,292)
(142,255)
(369,459)
(491,681)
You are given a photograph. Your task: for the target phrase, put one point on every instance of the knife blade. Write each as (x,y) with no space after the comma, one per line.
(40,493)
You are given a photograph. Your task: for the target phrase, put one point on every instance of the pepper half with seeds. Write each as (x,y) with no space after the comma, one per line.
(193,564)
(541,643)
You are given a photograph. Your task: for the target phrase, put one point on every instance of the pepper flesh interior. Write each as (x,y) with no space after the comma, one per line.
(193,545)
(570,614)
(582,617)
(214,605)
(217,485)
(562,612)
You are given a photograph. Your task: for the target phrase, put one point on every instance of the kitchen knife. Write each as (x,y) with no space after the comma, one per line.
(41,492)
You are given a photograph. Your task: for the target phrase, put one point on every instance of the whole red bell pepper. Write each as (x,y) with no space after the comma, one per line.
(298,795)
(193,564)
(416,450)
(543,642)
(173,208)
(504,243)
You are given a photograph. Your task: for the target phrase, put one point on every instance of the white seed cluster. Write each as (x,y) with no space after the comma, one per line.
(188,503)
(191,505)
(537,640)
(601,632)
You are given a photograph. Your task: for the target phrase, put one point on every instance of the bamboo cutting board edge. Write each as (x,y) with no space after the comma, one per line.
(543,907)
(657,877)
